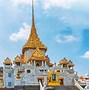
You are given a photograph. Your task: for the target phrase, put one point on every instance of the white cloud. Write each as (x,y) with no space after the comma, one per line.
(86,55)
(58,3)
(65,38)
(63,19)
(19,2)
(23,33)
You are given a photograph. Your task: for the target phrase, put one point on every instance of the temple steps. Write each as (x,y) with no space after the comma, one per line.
(38,88)
(64,88)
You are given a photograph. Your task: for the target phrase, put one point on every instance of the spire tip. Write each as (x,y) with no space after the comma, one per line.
(33,24)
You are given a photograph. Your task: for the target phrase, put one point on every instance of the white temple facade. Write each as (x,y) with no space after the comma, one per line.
(33,65)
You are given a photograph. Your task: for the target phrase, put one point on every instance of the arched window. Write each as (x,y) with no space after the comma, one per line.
(38,64)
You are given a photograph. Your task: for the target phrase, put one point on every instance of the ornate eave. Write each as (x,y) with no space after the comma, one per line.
(17,59)
(35,58)
(50,64)
(63,61)
(70,64)
(37,55)
(7,61)
(23,61)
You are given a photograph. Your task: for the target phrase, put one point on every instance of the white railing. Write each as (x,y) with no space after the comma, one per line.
(77,85)
(41,87)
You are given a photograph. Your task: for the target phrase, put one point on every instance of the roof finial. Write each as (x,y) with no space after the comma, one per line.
(33,24)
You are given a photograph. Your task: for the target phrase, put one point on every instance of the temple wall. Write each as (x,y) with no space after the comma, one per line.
(68,81)
(8,78)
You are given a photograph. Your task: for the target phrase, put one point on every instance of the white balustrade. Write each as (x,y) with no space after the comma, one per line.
(41,87)
(77,85)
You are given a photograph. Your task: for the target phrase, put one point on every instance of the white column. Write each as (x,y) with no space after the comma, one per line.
(31,63)
(62,65)
(42,63)
(72,67)
(67,66)
(45,63)
(26,56)
(34,63)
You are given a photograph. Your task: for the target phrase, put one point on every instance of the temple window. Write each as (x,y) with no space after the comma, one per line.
(9,83)
(45,70)
(64,65)
(18,63)
(7,64)
(9,74)
(41,70)
(28,71)
(37,64)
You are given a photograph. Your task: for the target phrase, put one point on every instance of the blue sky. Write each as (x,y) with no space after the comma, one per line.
(62,25)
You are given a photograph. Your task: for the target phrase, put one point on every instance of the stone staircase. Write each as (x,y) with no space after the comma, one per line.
(64,88)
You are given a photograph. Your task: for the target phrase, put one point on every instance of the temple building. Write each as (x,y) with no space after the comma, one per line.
(33,66)
(8,72)
(1,77)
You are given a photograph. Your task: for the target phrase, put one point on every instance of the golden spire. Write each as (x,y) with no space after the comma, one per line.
(33,29)
(33,23)
(33,40)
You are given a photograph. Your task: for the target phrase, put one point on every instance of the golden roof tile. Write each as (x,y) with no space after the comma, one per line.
(37,55)
(63,61)
(17,59)
(7,61)
(20,59)
(50,64)
(70,64)
(33,40)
